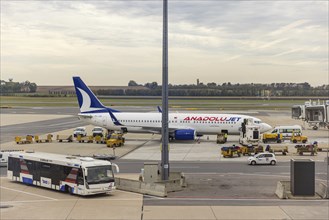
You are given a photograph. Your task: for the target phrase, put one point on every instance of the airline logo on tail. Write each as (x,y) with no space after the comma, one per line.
(88,102)
(85,105)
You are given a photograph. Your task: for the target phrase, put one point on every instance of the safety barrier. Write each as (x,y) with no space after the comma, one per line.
(282,188)
(175,183)
(155,189)
(323,191)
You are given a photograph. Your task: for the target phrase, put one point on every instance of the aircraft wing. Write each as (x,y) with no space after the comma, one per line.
(84,116)
(153,129)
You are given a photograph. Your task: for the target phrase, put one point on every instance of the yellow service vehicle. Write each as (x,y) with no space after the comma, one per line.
(282,149)
(27,140)
(298,138)
(258,149)
(61,138)
(311,148)
(231,151)
(221,138)
(247,150)
(116,140)
(88,139)
(99,139)
(272,137)
(48,139)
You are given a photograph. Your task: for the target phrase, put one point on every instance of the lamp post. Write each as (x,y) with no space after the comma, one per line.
(165,133)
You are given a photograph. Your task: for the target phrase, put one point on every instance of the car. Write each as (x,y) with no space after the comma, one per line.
(97,131)
(80,131)
(262,158)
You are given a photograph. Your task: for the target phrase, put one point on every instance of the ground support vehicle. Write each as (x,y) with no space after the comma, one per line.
(282,149)
(258,149)
(97,131)
(4,156)
(100,140)
(310,148)
(272,137)
(115,140)
(262,158)
(71,174)
(80,131)
(21,140)
(323,147)
(231,151)
(250,134)
(287,131)
(221,138)
(247,150)
(88,139)
(298,138)
(48,139)
(61,138)
(108,157)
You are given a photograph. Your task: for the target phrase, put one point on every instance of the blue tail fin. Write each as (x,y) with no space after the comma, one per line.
(88,102)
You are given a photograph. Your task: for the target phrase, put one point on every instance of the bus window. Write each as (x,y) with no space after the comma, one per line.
(101,174)
(275,131)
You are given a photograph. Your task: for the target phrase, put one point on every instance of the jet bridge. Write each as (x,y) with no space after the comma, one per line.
(317,115)
(298,112)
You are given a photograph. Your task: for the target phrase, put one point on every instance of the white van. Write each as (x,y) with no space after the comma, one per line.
(288,130)
(4,156)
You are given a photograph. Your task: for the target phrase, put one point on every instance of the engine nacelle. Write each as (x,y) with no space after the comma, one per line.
(186,134)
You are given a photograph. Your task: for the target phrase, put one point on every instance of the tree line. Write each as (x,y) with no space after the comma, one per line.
(10,86)
(224,89)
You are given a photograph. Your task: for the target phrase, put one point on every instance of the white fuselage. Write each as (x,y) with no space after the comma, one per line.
(152,122)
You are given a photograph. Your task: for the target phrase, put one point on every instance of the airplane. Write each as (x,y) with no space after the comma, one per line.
(182,126)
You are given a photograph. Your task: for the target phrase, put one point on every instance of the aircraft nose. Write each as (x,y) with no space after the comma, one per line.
(265,127)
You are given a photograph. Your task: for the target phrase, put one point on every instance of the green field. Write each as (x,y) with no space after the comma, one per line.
(189,103)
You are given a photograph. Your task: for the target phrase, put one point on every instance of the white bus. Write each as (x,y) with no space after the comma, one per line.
(288,130)
(72,174)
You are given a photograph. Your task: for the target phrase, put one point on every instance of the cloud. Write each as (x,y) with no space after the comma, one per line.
(125,37)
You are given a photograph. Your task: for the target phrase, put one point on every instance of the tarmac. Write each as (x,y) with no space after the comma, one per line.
(19,201)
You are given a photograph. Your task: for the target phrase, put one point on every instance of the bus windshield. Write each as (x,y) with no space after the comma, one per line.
(100,174)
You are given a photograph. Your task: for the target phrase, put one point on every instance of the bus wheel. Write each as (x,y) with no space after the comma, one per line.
(69,189)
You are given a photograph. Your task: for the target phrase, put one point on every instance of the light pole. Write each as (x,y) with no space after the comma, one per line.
(165,133)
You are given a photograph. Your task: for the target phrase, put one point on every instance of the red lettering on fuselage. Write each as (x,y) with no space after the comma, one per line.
(207,118)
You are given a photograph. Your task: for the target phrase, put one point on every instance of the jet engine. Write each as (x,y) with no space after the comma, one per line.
(185,134)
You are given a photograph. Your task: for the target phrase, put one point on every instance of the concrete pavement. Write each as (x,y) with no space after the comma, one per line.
(26,202)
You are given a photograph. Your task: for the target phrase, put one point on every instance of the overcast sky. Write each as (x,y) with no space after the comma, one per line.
(112,42)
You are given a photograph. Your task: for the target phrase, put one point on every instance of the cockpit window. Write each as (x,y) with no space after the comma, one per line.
(258,122)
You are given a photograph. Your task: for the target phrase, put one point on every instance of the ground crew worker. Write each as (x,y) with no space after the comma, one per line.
(267,148)
(113,148)
(278,137)
(225,137)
